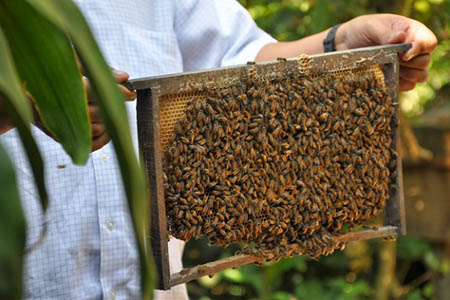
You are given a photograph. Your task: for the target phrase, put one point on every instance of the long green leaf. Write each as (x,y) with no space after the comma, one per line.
(66,16)
(46,64)
(18,108)
(12,232)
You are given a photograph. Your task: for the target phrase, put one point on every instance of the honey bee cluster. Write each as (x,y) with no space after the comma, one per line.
(280,164)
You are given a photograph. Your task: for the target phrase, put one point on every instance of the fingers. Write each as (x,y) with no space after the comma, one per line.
(129,95)
(423,40)
(425,45)
(418,62)
(87,87)
(413,71)
(394,37)
(99,142)
(98,129)
(409,77)
(5,125)
(99,136)
(389,29)
(94,114)
(413,75)
(120,76)
(406,85)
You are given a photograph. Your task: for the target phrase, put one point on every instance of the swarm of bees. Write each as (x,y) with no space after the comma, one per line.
(280,164)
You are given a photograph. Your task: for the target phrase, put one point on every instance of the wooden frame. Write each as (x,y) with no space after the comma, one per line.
(149,91)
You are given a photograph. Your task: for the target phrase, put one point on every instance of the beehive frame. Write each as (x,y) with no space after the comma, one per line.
(151,92)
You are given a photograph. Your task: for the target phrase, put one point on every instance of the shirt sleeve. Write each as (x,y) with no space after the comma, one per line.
(216,33)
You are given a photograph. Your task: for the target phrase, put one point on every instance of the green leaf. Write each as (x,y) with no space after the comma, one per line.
(282,296)
(320,16)
(312,290)
(410,247)
(233,275)
(415,295)
(348,291)
(432,261)
(47,66)
(67,17)
(253,276)
(15,103)
(286,264)
(428,290)
(12,232)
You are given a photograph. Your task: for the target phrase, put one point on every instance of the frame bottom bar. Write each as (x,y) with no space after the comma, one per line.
(236,261)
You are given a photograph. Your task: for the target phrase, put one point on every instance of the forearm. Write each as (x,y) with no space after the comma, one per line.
(308,45)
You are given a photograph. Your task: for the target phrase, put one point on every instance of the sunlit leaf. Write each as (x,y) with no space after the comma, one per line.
(16,105)
(432,261)
(12,232)
(233,275)
(47,67)
(210,281)
(445,267)
(428,290)
(283,296)
(344,290)
(66,16)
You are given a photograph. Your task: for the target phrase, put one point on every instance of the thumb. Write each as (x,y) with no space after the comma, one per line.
(395,37)
(120,76)
(401,37)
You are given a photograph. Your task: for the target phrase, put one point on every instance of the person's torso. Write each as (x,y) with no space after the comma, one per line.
(89,247)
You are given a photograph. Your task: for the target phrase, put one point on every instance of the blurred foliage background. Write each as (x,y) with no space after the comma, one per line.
(377,269)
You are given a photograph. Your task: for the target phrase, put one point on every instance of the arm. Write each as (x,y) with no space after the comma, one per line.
(370,30)
(216,34)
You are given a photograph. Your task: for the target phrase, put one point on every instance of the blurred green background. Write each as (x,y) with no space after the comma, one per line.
(410,268)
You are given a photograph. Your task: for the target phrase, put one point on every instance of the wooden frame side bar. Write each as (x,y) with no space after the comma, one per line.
(395,205)
(149,144)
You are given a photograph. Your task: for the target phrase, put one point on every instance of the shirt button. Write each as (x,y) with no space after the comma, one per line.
(110,225)
(104,157)
(112,294)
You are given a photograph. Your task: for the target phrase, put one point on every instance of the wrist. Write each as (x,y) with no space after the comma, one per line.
(340,39)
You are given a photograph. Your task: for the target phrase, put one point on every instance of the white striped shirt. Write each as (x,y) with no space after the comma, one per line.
(89,251)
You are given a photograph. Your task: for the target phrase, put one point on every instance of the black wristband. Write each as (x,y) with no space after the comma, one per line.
(328,43)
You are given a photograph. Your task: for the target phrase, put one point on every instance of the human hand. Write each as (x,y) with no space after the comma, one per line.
(99,135)
(380,29)
(98,129)
(5,124)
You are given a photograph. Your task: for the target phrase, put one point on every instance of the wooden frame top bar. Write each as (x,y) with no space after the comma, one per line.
(320,63)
